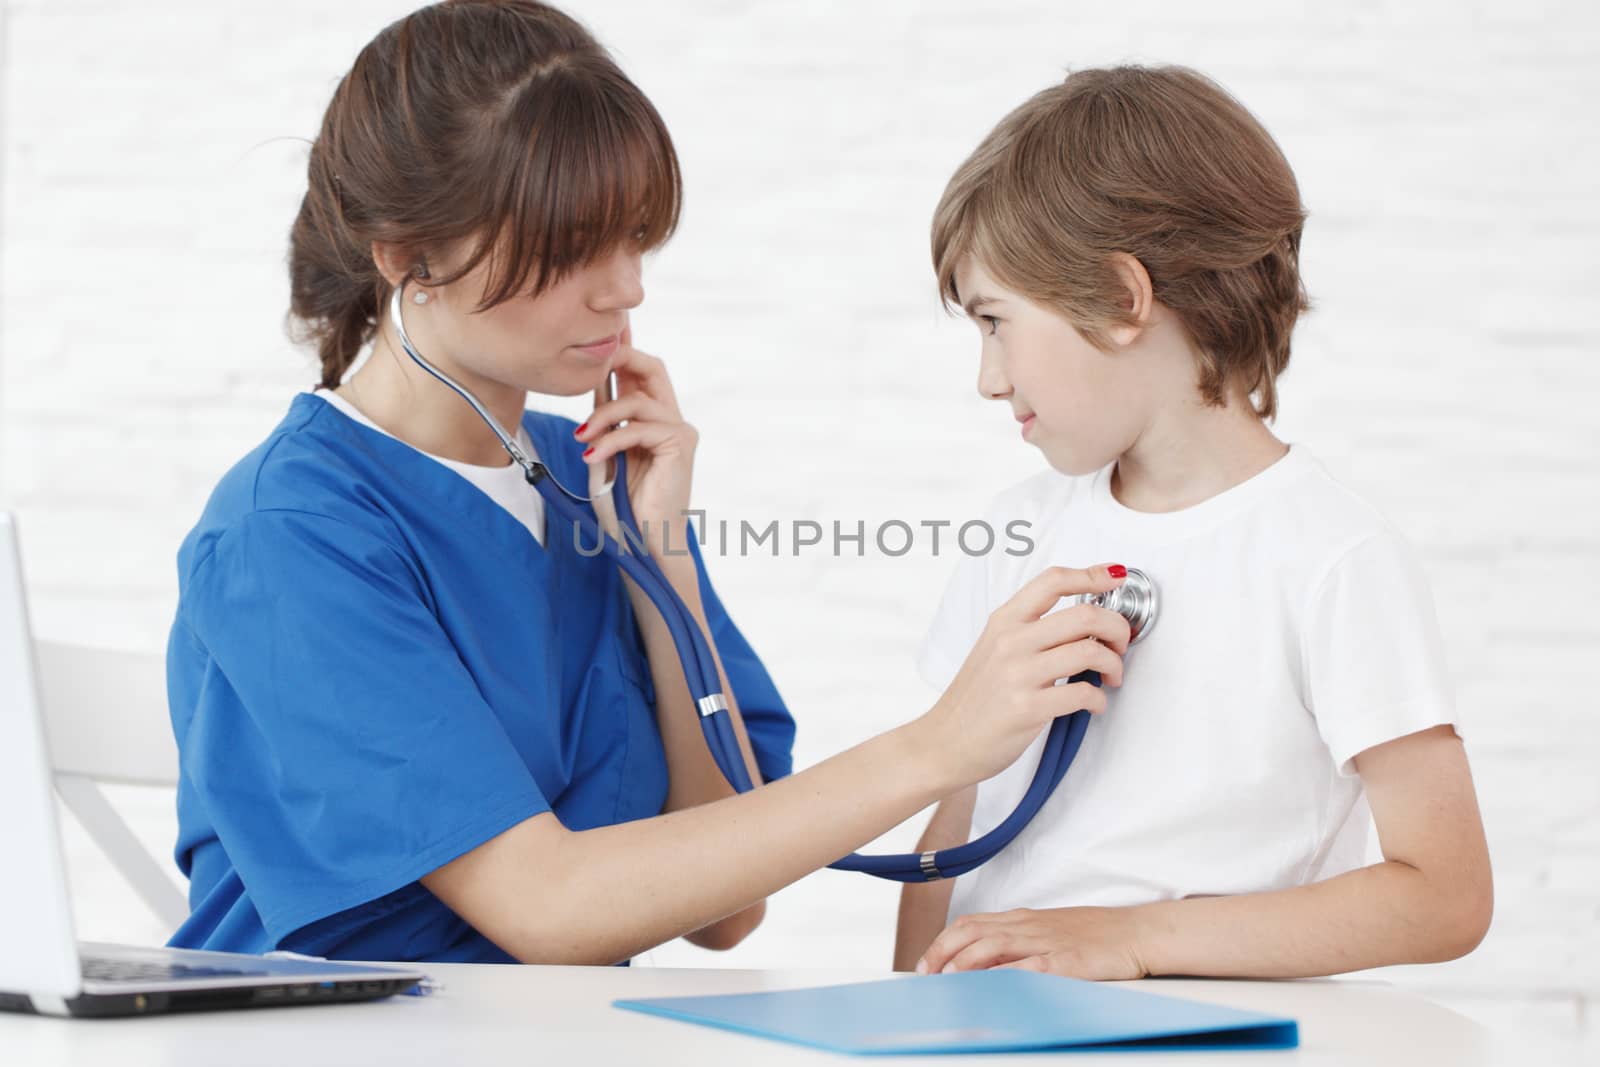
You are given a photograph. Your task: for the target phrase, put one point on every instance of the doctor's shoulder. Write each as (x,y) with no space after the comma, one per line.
(294,469)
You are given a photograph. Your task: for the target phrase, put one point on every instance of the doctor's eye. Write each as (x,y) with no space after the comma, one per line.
(993,323)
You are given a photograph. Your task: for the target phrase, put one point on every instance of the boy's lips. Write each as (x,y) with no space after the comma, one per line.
(1026,418)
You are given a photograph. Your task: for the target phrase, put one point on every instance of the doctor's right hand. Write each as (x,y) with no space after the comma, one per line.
(1006,692)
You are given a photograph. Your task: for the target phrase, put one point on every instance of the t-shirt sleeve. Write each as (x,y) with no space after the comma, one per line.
(339,746)
(766,718)
(1374,660)
(961,616)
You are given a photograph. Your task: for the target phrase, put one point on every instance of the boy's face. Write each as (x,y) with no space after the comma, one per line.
(1078,405)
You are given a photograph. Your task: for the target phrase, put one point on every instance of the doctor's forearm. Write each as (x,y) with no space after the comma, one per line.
(693,775)
(1374,916)
(549,895)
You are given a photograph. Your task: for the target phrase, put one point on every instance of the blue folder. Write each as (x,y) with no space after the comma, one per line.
(978,1011)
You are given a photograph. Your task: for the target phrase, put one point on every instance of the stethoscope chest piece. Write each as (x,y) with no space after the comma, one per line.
(1135,599)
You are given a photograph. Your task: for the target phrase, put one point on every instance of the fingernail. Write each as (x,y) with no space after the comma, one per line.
(948,968)
(579,431)
(1118,570)
(588,452)
(922,966)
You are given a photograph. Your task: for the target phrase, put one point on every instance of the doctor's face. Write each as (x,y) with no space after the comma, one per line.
(1078,405)
(560,342)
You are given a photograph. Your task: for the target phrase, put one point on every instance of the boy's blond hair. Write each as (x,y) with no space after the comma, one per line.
(1160,163)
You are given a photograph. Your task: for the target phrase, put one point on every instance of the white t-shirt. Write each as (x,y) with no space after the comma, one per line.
(1296,630)
(505,485)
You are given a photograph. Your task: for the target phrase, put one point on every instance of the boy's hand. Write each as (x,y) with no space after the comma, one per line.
(1100,944)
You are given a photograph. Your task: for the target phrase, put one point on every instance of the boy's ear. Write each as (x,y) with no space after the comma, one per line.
(1138,297)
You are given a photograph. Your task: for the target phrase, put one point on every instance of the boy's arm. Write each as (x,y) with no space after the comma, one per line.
(924,905)
(1429,900)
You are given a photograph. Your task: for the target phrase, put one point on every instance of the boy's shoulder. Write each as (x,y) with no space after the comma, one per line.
(1321,513)
(1041,496)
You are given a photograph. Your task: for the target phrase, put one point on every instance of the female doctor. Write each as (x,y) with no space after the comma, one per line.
(416,720)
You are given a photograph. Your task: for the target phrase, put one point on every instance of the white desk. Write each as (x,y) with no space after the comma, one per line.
(563,1015)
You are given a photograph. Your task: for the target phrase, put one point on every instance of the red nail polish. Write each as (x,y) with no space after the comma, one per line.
(588,452)
(1118,570)
(579,431)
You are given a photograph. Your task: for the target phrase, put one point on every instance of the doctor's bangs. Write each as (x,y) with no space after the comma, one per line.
(584,164)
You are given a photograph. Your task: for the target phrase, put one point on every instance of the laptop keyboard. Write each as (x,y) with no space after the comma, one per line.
(115,970)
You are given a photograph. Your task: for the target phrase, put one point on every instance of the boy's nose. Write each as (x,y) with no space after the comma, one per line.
(992,384)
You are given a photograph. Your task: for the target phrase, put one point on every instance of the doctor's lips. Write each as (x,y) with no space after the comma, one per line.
(602,348)
(1026,418)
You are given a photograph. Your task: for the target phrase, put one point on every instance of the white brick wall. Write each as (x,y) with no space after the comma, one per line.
(153,161)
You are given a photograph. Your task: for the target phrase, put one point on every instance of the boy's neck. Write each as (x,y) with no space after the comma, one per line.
(1194,454)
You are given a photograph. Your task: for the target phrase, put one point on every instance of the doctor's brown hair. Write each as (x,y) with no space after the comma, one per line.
(497,126)
(1159,163)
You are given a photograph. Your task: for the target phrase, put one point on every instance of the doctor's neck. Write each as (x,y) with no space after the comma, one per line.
(402,398)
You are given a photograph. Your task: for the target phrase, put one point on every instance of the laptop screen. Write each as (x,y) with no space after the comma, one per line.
(38,948)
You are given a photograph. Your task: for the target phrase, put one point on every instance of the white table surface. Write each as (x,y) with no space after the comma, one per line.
(563,1015)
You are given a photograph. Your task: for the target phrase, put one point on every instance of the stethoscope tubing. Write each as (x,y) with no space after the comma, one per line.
(1062,741)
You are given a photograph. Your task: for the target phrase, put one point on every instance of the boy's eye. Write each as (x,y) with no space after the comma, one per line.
(993,323)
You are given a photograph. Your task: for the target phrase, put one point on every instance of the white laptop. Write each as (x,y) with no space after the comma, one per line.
(43,968)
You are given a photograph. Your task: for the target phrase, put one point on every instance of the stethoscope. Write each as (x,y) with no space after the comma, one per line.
(1135,599)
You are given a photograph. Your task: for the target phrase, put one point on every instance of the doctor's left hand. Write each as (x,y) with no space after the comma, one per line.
(1100,944)
(658,443)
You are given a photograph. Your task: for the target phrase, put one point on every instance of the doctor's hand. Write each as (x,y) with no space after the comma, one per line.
(1005,692)
(658,444)
(1101,944)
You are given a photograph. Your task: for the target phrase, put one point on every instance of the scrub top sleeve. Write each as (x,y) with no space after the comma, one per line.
(766,717)
(1374,660)
(339,746)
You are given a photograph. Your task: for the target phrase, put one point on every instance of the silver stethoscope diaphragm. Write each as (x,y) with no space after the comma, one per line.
(1135,600)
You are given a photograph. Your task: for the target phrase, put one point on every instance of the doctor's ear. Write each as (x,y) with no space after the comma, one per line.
(1138,298)
(397,262)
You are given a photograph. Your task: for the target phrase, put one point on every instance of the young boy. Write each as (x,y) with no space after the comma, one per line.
(1127,242)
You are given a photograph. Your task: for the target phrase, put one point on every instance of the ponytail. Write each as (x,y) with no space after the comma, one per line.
(334,288)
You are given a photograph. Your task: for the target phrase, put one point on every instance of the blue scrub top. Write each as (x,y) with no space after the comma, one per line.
(375,668)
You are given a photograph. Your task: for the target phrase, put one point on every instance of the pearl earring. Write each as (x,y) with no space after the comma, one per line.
(421,272)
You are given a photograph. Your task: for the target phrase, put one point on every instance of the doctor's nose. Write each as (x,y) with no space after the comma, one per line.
(619,282)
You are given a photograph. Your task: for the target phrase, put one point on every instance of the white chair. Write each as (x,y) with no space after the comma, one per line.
(106,718)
